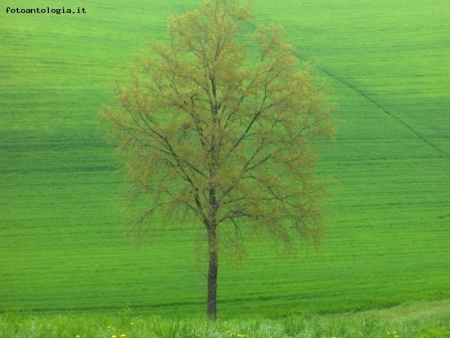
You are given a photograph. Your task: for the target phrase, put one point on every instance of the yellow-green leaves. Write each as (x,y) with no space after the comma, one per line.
(221,125)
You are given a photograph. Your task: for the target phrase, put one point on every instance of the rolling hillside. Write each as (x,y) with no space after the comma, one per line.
(61,242)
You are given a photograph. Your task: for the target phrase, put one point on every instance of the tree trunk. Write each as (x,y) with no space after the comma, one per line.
(212,272)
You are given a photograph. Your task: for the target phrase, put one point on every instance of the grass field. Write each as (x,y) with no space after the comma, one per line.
(422,320)
(61,244)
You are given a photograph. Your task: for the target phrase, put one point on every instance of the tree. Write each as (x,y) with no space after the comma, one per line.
(222,126)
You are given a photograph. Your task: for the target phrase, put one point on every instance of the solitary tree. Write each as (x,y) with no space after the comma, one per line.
(220,124)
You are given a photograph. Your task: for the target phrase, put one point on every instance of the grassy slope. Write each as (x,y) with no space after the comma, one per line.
(60,243)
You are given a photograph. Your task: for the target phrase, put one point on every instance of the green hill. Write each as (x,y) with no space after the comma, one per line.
(61,244)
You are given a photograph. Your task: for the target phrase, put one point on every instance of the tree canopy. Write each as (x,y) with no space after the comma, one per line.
(219,126)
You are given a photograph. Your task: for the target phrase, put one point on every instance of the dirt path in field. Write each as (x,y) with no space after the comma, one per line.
(412,312)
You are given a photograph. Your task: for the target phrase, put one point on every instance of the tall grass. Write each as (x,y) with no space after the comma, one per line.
(421,320)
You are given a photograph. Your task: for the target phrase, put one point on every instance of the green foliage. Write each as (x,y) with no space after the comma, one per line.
(443,332)
(376,324)
(222,130)
(61,247)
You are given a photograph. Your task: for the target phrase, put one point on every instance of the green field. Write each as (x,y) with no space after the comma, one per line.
(421,320)
(61,242)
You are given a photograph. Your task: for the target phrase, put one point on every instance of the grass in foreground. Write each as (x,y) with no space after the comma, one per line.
(426,320)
